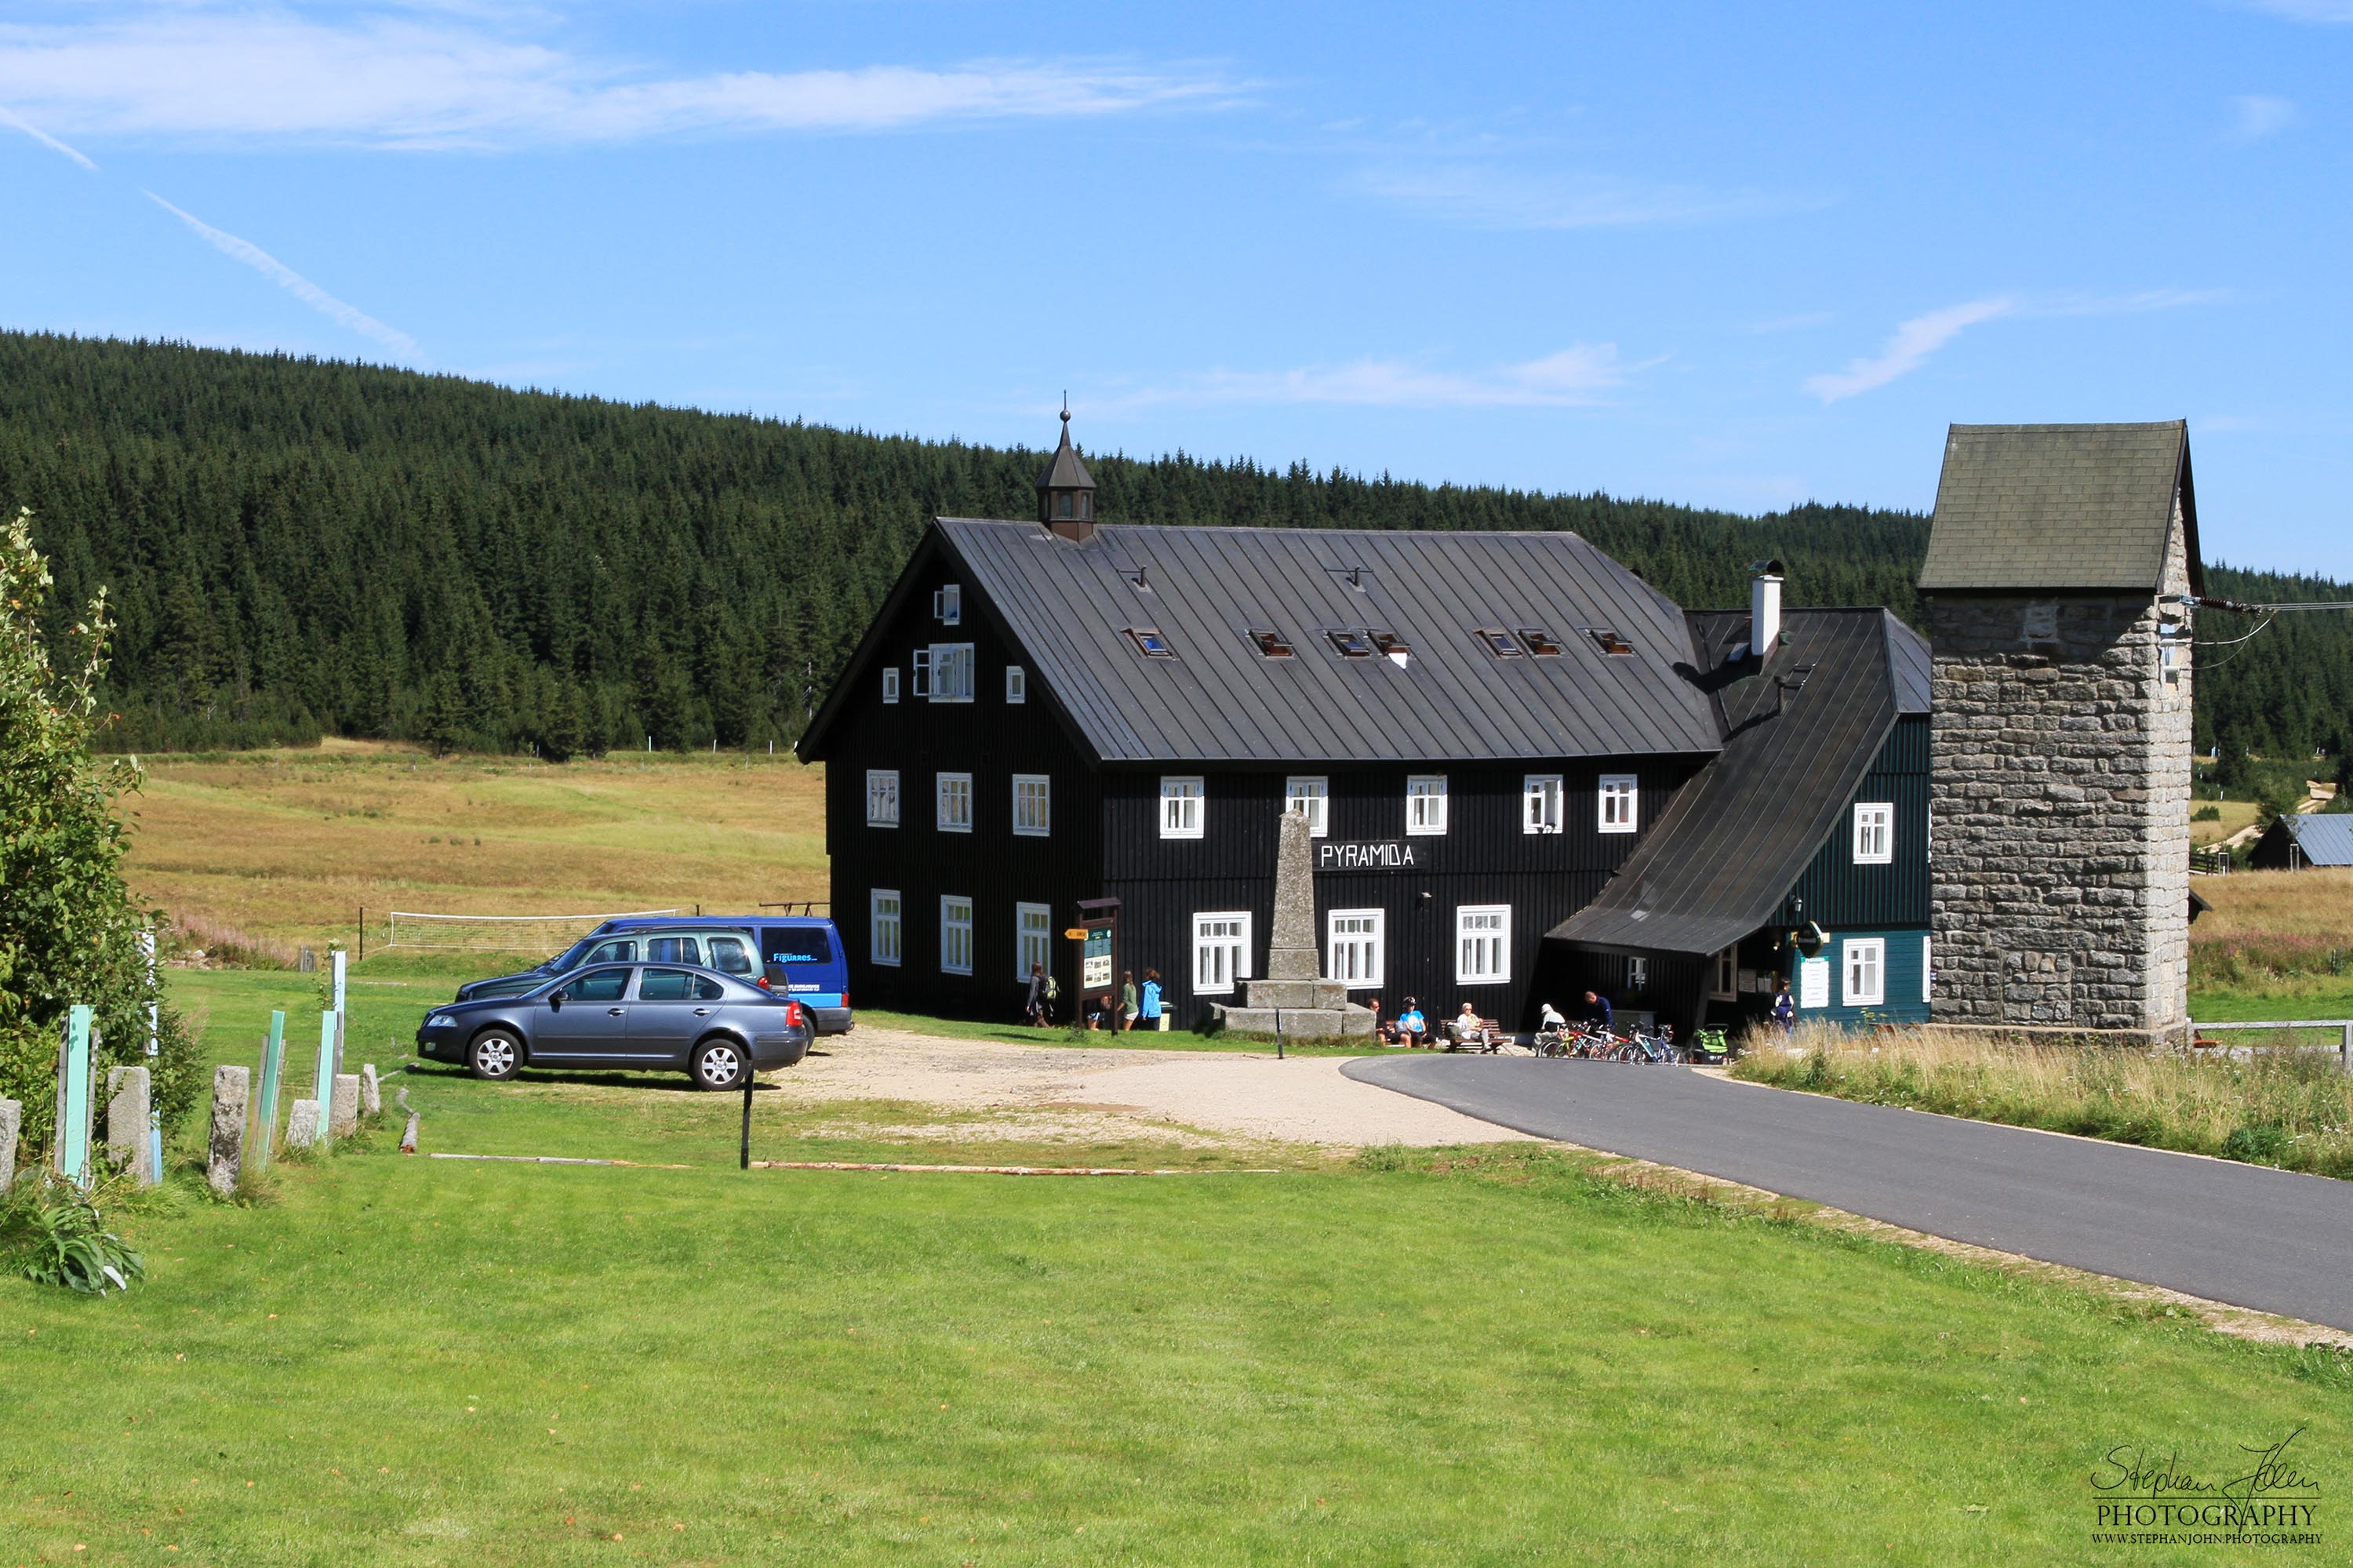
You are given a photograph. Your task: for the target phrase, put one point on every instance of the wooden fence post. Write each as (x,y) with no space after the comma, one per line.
(265,1118)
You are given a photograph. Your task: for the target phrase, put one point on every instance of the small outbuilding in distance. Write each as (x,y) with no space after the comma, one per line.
(2294,843)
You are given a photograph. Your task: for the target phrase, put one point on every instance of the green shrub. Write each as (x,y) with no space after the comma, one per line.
(54,1235)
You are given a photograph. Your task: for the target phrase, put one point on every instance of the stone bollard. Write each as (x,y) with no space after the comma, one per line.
(225,1156)
(371,1092)
(127,1143)
(302,1125)
(12,1121)
(344,1110)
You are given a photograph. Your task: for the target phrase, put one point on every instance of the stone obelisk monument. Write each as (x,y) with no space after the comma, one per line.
(1293,996)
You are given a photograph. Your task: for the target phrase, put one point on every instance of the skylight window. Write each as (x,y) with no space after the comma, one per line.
(1149,642)
(1609,642)
(1498,642)
(1271,644)
(1390,644)
(1540,643)
(1351,644)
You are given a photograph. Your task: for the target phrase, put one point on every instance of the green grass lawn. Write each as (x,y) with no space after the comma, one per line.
(1486,1357)
(2310,996)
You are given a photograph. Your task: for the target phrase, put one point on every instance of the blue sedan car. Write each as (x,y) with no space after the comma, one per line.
(715,1028)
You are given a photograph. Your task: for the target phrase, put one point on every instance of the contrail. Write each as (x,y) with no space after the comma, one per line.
(293,282)
(46,140)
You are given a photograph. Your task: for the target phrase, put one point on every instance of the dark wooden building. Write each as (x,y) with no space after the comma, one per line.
(1061,724)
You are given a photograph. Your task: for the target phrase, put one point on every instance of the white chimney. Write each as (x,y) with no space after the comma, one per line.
(1764,608)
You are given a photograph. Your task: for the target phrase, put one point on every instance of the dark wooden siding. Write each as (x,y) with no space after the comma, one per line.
(1841,895)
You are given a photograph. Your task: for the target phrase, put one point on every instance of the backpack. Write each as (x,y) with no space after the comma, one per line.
(1053,989)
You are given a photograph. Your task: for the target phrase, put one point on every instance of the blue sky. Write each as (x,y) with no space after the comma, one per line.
(1737,256)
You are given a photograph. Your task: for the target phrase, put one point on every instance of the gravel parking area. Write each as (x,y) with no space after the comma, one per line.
(1181,1094)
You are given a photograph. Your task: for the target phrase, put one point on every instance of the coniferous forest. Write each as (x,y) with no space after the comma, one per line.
(297,547)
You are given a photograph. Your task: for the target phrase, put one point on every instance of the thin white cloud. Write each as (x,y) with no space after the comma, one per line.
(293,282)
(2256,115)
(437,78)
(1484,197)
(1905,352)
(1923,335)
(46,140)
(1577,376)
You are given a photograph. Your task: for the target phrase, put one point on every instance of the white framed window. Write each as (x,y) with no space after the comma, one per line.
(952,795)
(1424,803)
(1637,975)
(881,797)
(956,934)
(1033,805)
(1540,795)
(951,673)
(1927,972)
(1017,684)
(922,683)
(1866,971)
(1180,808)
(1483,943)
(1353,947)
(1622,803)
(1874,834)
(890,684)
(1220,951)
(1724,975)
(948,604)
(1033,939)
(1311,799)
(882,926)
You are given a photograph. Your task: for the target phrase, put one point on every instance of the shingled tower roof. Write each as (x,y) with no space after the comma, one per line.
(2061,507)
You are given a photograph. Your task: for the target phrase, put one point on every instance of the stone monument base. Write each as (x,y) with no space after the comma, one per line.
(1305,1022)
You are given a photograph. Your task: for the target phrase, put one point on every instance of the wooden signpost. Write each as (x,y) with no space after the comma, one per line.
(273,1058)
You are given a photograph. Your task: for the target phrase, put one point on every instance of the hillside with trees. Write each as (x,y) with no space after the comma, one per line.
(297,547)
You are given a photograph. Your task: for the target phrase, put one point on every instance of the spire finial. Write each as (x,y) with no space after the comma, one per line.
(1066,411)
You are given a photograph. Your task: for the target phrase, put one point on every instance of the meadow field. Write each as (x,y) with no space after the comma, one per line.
(1487,1356)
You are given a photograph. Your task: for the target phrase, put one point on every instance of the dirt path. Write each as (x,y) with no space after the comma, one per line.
(1182,1094)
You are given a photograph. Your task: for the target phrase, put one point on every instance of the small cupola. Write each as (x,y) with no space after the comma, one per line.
(1066,495)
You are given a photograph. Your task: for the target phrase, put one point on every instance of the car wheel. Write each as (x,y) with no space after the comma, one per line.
(718,1064)
(495,1055)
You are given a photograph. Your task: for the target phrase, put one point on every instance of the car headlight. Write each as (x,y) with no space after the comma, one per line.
(440,1021)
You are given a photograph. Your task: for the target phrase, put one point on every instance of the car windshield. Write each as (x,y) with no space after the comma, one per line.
(569,959)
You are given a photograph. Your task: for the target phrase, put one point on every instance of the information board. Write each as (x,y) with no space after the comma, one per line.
(1096,969)
(1814,982)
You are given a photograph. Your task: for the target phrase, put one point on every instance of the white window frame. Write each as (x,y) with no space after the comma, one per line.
(890,684)
(1310,795)
(881,797)
(1476,945)
(1184,805)
(921,685)
(950,666)
(1875,949)
(1723,974)
(886,928)
(1235,942)
(1618,807)
(1927,969)
(948,604)
(955,933)
(1425,805)
(1369,971)
(1033,939)
(1033,805)
(1874,832)
(1541,797)
(951,790)
(1017,684)
(1638,974)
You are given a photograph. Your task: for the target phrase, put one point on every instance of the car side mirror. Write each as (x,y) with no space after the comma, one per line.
(556,1002)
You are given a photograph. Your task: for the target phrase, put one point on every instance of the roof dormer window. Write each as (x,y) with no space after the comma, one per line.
(1150,643)
(1271,644)
(1351,644)
(1609,642)
(1541,643)
(1498,642)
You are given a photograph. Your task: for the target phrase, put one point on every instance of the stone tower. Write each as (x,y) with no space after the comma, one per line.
(2057,584)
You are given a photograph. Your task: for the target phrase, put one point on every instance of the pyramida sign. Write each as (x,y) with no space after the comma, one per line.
(1373,855)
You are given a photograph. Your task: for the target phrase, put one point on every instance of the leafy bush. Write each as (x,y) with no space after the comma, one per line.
(2207,814)
(68,930)
(54,1236)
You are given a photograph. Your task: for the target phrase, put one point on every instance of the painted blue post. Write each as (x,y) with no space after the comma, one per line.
(154,1058)
(273,1056)
(324,1091)
(74,1098)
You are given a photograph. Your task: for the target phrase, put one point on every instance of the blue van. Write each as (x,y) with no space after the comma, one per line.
(801,957)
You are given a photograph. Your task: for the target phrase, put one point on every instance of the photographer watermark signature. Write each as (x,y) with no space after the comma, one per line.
(2150,1499)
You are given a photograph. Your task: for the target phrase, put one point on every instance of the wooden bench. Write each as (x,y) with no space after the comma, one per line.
(1490,1038)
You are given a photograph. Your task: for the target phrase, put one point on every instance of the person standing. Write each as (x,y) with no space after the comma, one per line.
(1127,998)
(1784,1006)
(1597,1011)
(1151,1011)
(1034,1008)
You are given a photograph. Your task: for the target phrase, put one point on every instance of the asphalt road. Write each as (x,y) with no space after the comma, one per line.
(2246,1235)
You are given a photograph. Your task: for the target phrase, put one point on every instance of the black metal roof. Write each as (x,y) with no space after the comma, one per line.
(2061,507)
(1071,607)
(1719,862)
